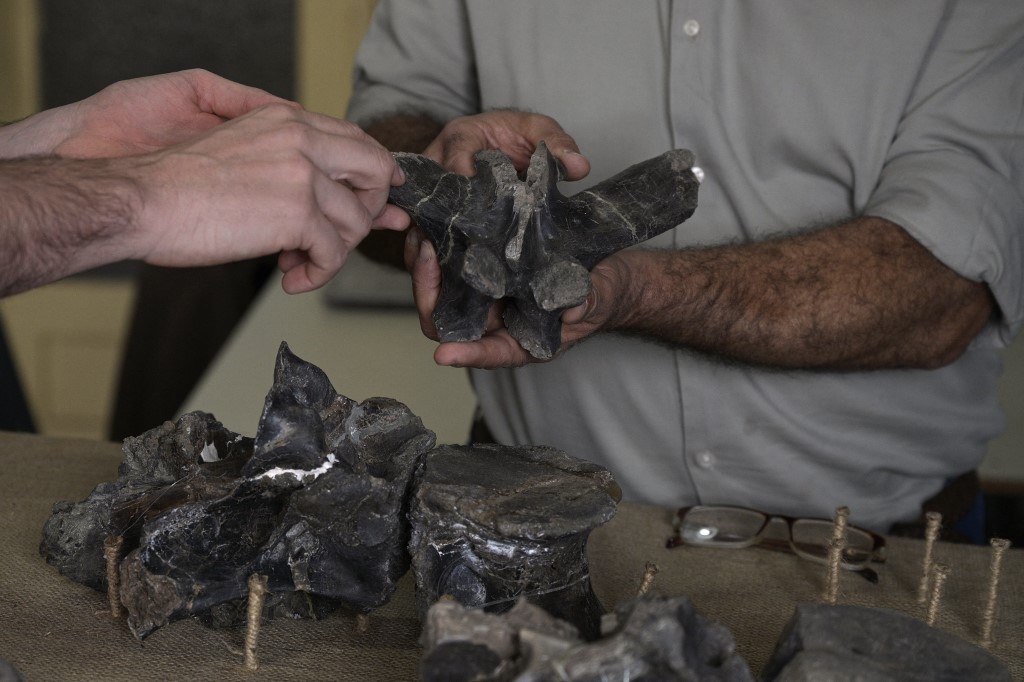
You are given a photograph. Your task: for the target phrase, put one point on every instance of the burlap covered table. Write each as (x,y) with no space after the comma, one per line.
(53,629)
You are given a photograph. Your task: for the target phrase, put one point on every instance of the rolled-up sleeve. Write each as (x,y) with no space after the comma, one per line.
(954,175)
(416,58)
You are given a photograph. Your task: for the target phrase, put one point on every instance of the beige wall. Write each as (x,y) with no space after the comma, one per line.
(19,63)
(329,34)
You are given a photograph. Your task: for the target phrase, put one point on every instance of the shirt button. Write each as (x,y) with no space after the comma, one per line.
(691,28)
(705,459)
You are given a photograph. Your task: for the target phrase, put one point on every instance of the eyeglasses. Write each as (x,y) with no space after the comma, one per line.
(738,527)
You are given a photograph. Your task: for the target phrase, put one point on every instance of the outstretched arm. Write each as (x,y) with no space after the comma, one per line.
(275,179)
(860,295)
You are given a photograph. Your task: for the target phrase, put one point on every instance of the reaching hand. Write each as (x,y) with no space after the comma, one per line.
(279,179)
(189,169)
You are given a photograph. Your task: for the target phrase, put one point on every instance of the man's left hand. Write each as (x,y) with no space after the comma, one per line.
(603,309)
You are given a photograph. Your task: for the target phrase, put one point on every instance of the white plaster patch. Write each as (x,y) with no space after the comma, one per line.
(209,453)
(302,474)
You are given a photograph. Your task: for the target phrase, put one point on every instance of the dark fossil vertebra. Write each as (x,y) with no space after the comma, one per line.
(521,240)
(648,639)
(317,503)
(491,523)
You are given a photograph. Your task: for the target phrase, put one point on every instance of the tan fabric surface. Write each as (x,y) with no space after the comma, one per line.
(53,629)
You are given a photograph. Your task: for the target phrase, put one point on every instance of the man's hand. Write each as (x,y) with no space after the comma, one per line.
(188,169)
(856,296)
(135,116)
(516,133)
(279,179)
(605,309)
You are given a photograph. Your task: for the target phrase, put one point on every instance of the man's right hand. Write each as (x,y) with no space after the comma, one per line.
(278,179)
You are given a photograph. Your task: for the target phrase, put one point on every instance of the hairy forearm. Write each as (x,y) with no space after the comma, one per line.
(61,216)
(862,295)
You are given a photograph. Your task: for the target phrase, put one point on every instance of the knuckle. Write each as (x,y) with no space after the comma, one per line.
(282,113)
(352,130)
(198,74)
(337,259)
(298,169)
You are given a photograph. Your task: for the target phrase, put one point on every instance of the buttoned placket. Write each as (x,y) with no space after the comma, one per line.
(687,44)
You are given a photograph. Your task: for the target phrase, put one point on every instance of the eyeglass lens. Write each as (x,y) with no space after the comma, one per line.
(721,526)
(737,527)
(811,537)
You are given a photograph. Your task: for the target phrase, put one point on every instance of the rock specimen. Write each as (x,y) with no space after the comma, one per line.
(648,639)
(500,237)
(492,523)
(194,458)
(317,503)
(823,642)
(470,644)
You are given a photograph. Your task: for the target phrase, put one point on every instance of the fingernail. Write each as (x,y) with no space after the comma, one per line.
(413,239)
(425,250)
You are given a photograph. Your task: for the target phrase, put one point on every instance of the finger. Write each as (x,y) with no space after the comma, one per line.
(560,143)
(344,210)
(338,148)
(304,278)
(460,161)
(411,246)
(426,285)
(391,218)
(324,258)
(293,258)
(227,99)
(360,165)
(495,350)
(326,241)
(459,155)
(575,164)
(374,201)
(455,147)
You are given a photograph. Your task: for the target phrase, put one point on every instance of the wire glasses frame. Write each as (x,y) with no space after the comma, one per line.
(731,527)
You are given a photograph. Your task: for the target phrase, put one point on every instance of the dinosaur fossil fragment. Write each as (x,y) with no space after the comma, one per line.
(316,503)
(499,237)
(645,639)
(491,523)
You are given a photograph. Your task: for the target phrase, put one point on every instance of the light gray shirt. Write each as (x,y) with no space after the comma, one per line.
(801,113)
